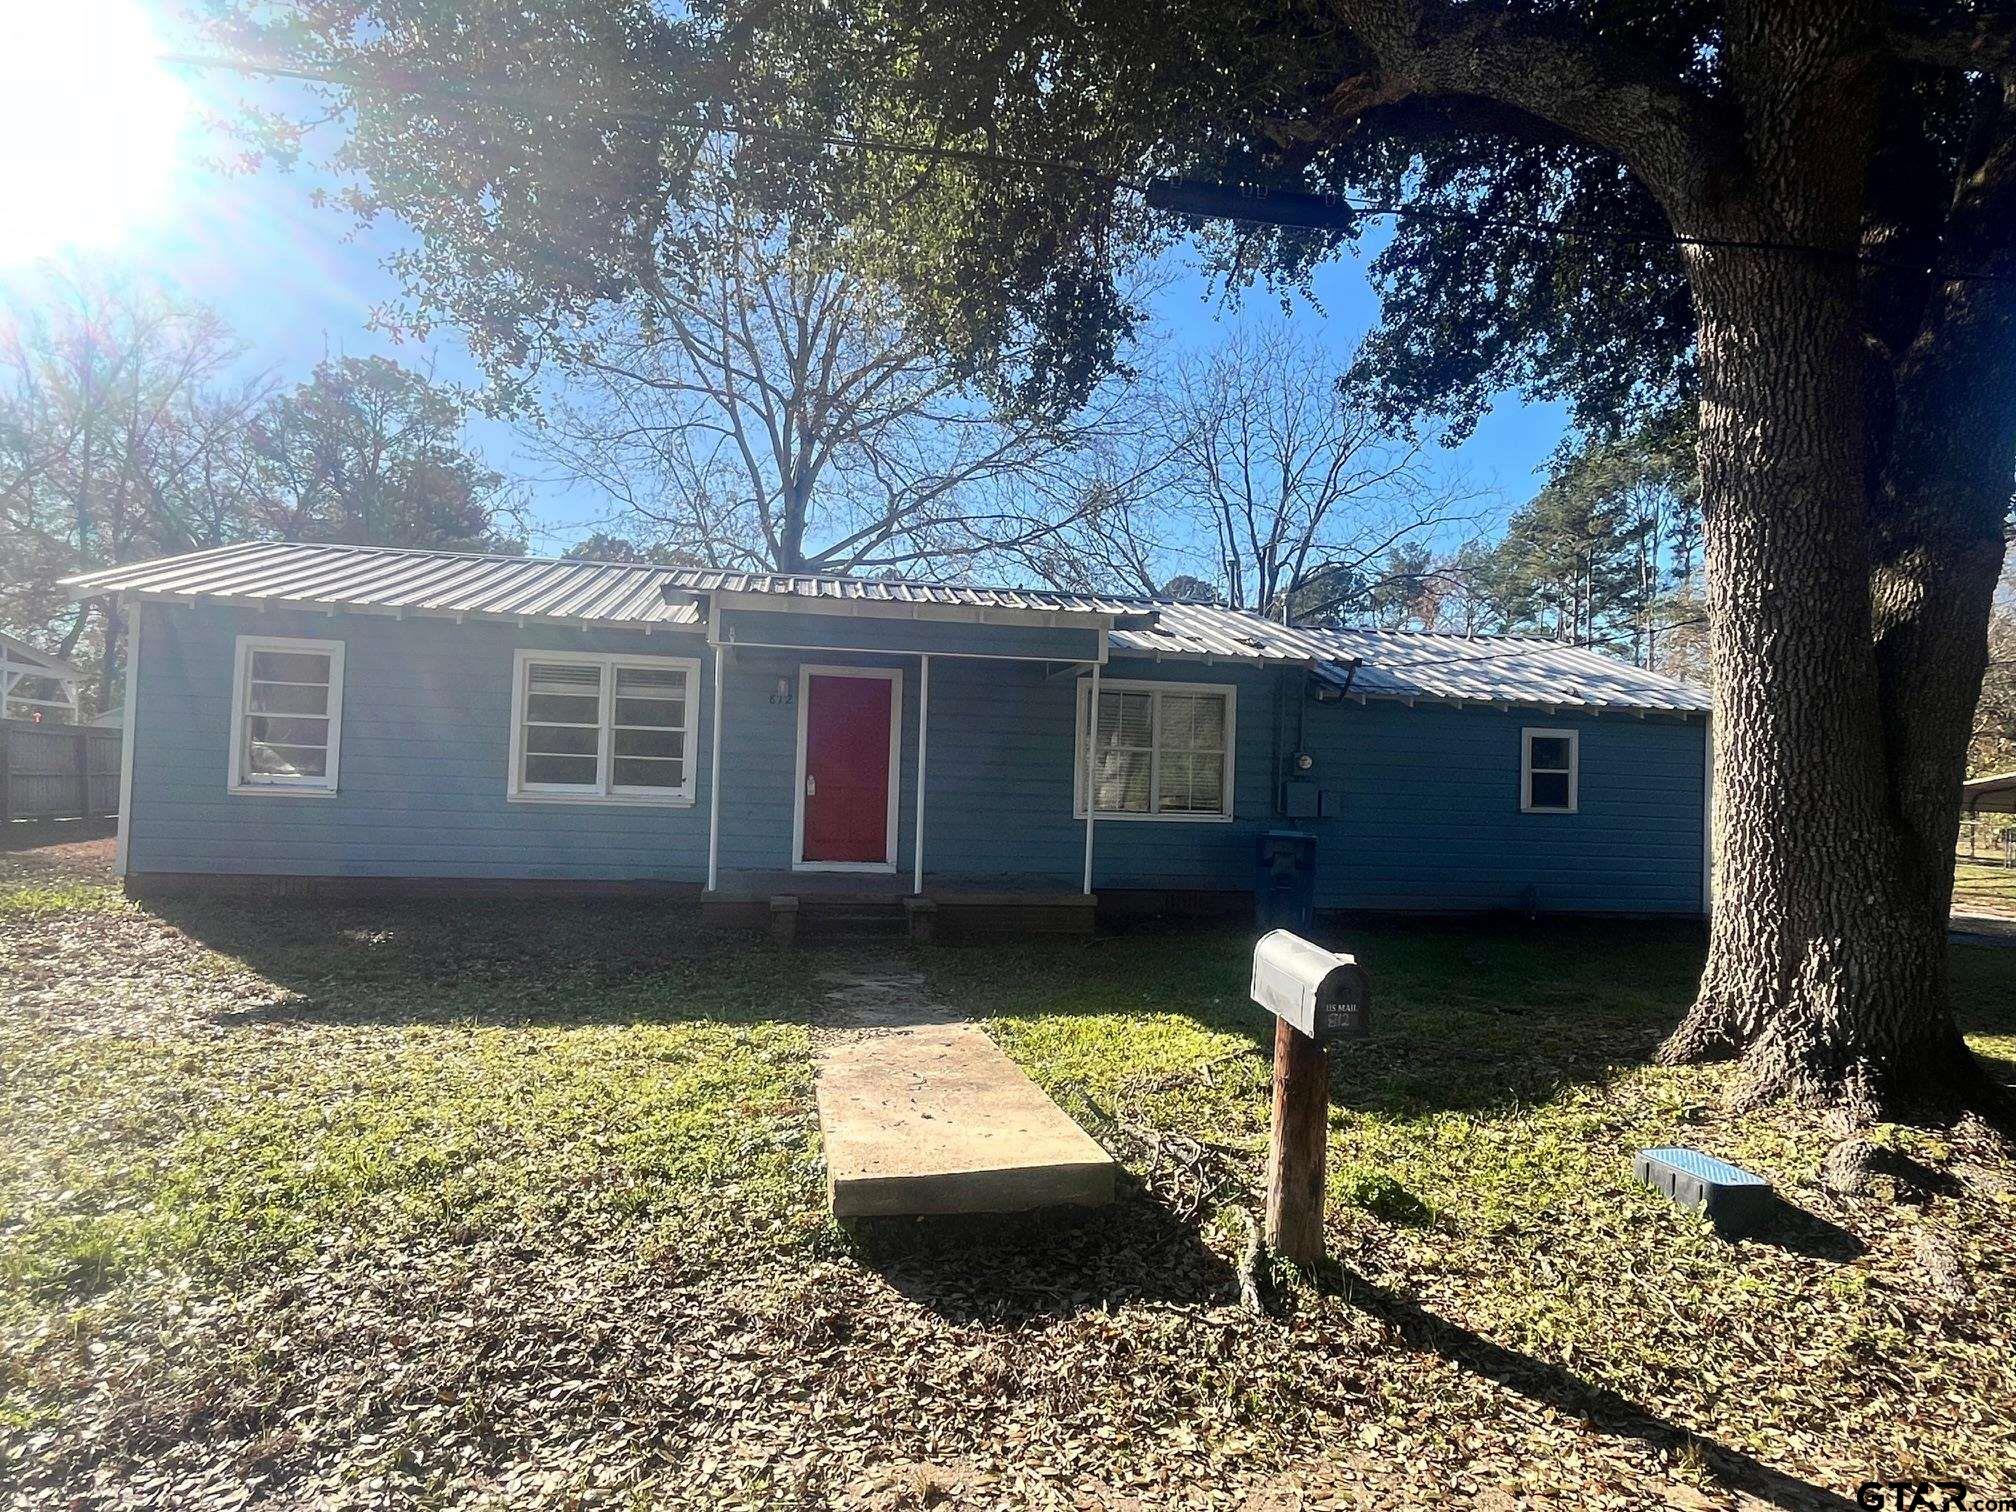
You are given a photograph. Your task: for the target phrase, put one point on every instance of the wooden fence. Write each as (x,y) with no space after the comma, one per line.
(57,771)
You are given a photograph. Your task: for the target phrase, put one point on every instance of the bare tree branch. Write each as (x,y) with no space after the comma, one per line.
(768,408)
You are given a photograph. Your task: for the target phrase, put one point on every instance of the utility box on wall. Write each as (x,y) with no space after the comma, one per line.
(1302,799)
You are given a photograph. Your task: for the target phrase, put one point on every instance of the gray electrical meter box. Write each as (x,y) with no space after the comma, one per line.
(1323,993)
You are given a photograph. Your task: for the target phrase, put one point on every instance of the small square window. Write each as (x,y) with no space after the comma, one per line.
(286,716)
(1549,771)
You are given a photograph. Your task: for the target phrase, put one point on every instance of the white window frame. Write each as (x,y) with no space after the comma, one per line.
(1526,738)
(517,790)
(244,783)
(1153,816)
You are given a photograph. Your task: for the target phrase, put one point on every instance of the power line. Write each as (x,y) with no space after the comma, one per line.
(1318,212)
(1246,204)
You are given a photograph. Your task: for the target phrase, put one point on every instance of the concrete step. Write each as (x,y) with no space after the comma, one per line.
(851,918)
(865,927)
(928,1116)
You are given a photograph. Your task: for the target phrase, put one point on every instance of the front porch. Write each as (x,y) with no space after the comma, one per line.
(789,903)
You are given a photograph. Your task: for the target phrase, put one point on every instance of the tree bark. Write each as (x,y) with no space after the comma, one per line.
(1847,637)
(1826,962)
(1849,583)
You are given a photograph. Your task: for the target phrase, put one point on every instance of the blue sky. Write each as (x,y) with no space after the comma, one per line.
(298,280)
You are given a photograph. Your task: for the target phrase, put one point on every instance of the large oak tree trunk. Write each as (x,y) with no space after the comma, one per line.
(1826,962)
(1847,640)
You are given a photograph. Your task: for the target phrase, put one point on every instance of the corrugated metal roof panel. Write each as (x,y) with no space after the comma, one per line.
(385,577)
(899,591)
(1391,663)
(1410,664)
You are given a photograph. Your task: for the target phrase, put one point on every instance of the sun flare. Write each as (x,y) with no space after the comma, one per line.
(90,126)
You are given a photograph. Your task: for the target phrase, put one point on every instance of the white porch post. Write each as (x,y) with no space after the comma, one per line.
(1091,782)
(923,738)
(714,776)
(129,725)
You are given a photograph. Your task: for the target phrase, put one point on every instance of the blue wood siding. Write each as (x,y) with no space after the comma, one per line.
(771,627)
(1004,767)
(426,748)
(1430,812)
(1427,798)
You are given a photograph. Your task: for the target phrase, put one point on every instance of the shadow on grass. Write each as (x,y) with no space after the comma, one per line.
(1553,1386)
(1014,1268)
(1787,1226)
(1468,1015)
(551,961)
(1478,1015)
(28,835)
(1011,1269)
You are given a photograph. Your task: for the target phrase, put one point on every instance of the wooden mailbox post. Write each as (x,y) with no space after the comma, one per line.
(1316,996)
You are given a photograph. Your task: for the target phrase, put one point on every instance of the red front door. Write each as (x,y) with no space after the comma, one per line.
(847,722)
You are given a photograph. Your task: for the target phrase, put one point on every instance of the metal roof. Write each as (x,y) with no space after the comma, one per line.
(896,591)
(1415,664)
(1397,664)
(1993,795)
(401,580)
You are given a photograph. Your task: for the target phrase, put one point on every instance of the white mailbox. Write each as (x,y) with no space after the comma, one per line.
(1323,993)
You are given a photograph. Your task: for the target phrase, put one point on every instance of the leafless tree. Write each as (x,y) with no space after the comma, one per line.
(1305,491)
(118,408)
(763,406)
(1993,746)
(1261,475)
(129,429)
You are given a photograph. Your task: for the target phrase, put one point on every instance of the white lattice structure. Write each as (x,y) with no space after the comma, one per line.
(32,680)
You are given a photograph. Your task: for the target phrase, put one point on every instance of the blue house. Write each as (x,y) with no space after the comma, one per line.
(313,715)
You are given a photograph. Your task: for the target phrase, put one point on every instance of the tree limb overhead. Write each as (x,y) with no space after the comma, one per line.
(1978,44)
(1590,86)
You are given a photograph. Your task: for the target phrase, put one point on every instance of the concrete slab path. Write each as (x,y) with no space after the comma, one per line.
(922,1113)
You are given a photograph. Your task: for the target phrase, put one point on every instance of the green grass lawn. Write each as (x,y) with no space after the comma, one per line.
(1988,887)
(489,1205)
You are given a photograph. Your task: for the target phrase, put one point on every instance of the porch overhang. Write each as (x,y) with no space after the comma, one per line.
(827,624)
(979,612)
(35,679)
(811,628)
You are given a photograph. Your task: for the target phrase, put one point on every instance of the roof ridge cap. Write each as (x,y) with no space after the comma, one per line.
(965,584)
(386,547)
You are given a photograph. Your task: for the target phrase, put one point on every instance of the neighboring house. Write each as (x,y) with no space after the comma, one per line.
(360,712)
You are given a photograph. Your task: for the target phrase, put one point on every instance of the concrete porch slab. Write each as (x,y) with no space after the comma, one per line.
(922,1114)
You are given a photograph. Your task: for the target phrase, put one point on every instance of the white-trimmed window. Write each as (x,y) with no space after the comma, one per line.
(286,716)
(1163,750)
(602,728)
(1550,770)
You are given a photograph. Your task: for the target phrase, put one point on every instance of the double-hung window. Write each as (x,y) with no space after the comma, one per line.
(1549,771)
(286,716)
(1161,750)
(610,728)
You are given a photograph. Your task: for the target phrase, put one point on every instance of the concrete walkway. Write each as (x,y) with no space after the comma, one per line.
(921,1112)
